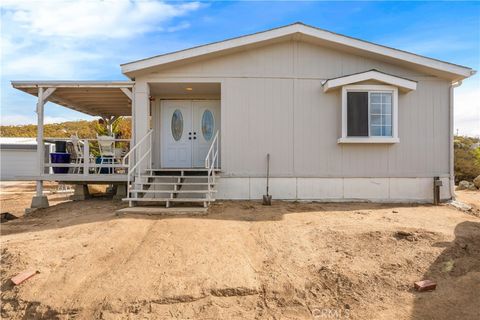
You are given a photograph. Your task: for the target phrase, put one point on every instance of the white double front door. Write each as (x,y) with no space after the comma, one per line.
(188,128)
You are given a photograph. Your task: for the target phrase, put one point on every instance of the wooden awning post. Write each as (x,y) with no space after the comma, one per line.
(39,200)
(40,145)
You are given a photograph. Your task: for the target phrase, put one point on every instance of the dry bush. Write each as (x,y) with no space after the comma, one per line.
(467,158)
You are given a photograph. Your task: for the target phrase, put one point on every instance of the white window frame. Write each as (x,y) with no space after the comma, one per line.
(370,139)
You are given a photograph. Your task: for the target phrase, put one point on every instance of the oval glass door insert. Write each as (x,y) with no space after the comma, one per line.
(207,125)
(177,125)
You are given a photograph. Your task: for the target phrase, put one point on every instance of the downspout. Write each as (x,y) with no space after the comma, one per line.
(452,148)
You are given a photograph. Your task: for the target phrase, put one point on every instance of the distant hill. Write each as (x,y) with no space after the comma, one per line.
(84,129)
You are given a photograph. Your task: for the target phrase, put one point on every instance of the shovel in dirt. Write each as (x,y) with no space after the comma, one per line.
(267,198)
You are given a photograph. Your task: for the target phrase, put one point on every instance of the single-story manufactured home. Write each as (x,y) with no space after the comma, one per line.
(343,120)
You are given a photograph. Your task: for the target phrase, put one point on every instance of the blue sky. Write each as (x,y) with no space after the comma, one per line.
(87,40)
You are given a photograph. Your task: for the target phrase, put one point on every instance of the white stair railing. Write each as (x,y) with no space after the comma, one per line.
(133,166)
(211,163)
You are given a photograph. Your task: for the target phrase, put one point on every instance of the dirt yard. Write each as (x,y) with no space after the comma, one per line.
(243,261)
(16,196)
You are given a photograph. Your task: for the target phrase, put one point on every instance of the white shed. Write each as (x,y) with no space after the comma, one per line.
(18,158)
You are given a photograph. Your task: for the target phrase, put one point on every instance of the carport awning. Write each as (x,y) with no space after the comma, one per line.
(96,98)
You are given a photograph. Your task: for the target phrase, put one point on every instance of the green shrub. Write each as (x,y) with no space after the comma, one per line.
(467,158)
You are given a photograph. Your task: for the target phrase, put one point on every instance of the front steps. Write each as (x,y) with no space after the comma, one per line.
(173,187)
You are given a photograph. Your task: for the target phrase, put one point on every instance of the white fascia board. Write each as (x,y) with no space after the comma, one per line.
(72,84)
(402,83)
(302,29)
(387,51)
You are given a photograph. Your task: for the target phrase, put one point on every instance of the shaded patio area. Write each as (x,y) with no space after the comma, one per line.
(103,159)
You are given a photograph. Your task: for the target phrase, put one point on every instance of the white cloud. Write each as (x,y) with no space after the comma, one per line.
(16,119)
(52,119)
(76,40)
(94,18)
(467,109)
(12,120)
(58,38)
(49,64)
(181,26)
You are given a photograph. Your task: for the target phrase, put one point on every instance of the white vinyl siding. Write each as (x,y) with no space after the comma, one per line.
(282,82)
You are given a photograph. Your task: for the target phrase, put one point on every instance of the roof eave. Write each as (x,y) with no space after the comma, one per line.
(85,96)
(404,84)
(71,84)
(455,72)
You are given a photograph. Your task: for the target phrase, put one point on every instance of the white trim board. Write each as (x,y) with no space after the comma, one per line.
(333,189)
(402,83)
(72,84)
(300,31)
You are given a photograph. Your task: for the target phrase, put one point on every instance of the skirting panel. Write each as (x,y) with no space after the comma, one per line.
(333,189)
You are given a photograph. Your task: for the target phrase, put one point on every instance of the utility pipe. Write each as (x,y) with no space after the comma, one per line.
(452,148)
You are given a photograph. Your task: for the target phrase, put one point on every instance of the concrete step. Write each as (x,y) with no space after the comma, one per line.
(169,199)
(181,169)
(164,211)
(172,191)
(178,183)
(170,177)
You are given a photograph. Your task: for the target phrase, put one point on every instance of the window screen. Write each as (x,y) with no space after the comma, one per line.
(357,114)
(381,114)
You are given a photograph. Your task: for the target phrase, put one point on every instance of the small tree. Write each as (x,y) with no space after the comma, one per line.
(108,126)
(467,158)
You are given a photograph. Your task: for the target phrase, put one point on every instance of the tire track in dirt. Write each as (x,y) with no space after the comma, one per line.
(112,259)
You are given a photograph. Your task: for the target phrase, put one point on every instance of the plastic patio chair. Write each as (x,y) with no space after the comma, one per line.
(78,153)
(106,146)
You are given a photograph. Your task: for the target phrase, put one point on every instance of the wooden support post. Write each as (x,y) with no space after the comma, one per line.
(39,188)
(42,99)
(86,157)
(39,200)
(40,144)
